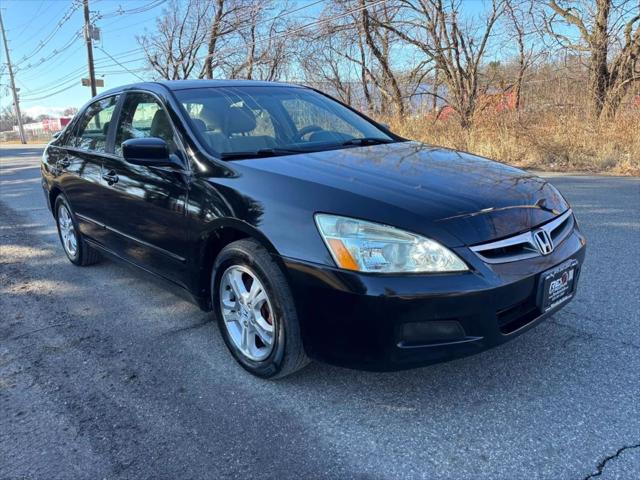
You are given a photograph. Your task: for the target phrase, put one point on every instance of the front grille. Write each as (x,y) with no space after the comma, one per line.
(523,246)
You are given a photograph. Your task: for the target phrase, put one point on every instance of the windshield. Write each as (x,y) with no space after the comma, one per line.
(245,122)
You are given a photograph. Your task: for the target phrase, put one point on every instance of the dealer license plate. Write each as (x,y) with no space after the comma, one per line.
(557,285)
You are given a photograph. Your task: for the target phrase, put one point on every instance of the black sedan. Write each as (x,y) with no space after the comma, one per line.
(311,230)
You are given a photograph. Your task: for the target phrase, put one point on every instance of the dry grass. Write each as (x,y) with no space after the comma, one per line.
(552,141)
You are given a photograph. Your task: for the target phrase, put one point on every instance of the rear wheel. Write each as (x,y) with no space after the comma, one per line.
(77,250)
(255,310)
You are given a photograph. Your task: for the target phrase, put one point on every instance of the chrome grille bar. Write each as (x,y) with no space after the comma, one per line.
(523,246)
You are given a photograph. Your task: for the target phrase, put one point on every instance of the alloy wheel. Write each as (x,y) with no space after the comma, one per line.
(67,231)
(247,312)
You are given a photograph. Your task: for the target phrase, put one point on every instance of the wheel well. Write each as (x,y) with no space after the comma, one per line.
(53,194)
(212,247)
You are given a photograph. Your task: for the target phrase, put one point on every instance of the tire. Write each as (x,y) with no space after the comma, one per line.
(78,251)
(271,316)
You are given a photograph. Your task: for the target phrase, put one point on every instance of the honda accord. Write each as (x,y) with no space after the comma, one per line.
(310,230)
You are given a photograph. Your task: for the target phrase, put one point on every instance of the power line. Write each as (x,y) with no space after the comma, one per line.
(51,86)
(128,53)
(46,91)
(270,19)
(282,14)
(51,94)
(281,34)
(73,74)
(137,24)
(133,11)
(35,73)
(132,73)
(56,52)
(65,18)
(292,32)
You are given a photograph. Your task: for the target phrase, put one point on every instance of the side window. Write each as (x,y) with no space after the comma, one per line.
(143,116)
(91,131)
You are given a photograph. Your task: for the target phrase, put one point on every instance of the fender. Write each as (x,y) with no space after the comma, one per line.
(218,234)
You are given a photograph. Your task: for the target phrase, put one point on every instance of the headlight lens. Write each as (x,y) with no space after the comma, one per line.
(371,247)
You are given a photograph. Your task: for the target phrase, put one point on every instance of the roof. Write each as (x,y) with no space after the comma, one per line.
(186,84)
(190,84)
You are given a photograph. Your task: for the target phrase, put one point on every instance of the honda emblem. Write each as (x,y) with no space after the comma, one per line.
(543,241)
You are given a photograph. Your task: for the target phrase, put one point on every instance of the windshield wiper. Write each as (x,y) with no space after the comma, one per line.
(367,141)
(261,153)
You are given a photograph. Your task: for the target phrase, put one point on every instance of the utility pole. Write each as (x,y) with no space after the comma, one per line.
(16,103)
(87,37)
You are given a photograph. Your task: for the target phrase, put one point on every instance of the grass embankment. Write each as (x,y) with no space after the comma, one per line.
(542,141)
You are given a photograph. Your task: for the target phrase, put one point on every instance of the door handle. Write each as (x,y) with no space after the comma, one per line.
(111,177)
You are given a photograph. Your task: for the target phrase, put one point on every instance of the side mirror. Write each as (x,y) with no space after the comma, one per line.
(148,151)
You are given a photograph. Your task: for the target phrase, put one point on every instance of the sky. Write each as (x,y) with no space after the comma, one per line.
(49,55)
(55,84)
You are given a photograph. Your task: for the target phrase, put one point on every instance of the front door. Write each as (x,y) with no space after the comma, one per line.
(79,165)
(145,205)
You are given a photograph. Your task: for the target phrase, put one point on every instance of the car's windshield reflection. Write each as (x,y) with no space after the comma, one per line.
(253,122)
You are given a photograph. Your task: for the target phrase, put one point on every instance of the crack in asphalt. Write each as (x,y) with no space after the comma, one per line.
(603,463)
(187,328)
(26,334)
(589,335)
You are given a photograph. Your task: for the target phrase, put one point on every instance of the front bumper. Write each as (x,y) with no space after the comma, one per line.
(363,321)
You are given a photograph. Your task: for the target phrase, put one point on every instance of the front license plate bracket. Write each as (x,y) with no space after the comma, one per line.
(557,285)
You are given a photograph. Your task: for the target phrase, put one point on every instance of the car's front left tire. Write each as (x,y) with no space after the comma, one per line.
(78,251)
(255,311)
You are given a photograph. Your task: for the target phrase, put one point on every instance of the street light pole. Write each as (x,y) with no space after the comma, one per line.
(16,102)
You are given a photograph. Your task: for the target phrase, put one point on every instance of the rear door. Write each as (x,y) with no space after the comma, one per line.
(146,205)
(79,164)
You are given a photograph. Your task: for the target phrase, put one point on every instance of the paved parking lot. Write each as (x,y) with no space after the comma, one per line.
(104,374)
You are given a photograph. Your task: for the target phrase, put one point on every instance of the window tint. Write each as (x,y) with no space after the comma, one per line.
(91,131)
(249,119)
(143,116)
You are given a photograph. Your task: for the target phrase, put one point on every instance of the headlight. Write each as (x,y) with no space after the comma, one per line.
(371,247)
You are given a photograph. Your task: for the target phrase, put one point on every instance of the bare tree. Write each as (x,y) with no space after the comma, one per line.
(234,38)
(610,35)
(224,21)
(333,56)
(379,40)
(456,46)
(320,58)
(172,51)
(261,45)
(363,51)
(519,15)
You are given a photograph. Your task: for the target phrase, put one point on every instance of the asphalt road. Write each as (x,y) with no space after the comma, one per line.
(104,374)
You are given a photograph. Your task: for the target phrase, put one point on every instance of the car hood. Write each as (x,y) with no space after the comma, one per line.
(473,198)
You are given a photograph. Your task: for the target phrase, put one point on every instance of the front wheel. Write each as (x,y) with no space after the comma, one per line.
(255,310)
